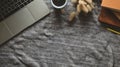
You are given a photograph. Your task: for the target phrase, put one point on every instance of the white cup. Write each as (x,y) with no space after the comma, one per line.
(59,7)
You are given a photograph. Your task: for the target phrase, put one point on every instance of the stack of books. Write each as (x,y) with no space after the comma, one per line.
(110,15)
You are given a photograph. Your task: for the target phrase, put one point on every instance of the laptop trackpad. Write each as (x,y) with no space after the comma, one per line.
(23,18)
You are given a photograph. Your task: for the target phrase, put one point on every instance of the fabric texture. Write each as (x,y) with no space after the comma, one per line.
(54,42)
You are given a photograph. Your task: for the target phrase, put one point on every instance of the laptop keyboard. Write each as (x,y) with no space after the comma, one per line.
(8,7)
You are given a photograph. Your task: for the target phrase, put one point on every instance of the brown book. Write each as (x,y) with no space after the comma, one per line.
(117,14)
(109,19)
(111,4)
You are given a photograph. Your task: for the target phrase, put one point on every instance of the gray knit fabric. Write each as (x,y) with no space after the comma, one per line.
(55,42)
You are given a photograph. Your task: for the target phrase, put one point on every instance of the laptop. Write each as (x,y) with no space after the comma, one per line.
(16,15)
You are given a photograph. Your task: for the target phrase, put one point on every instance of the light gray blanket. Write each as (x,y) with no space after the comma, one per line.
(54,42)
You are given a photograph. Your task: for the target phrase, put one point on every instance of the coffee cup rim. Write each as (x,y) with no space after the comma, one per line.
(58,7)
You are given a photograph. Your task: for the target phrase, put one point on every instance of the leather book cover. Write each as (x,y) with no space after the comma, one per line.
(112,4)
(107,18)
